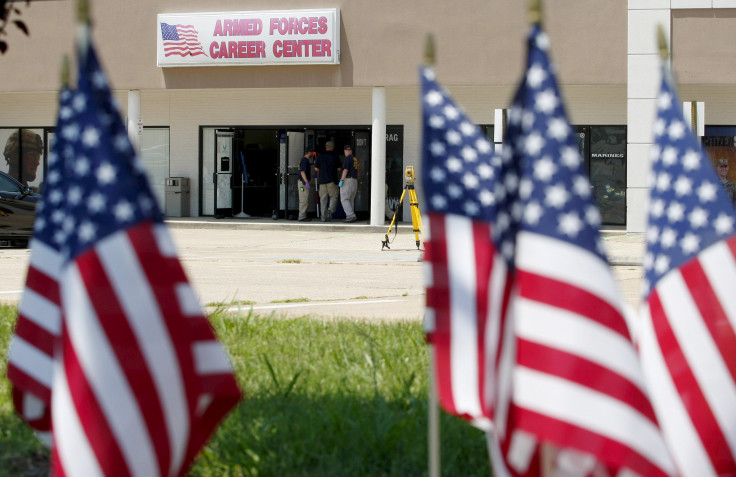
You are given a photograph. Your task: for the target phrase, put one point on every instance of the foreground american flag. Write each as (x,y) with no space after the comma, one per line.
(688,342)
(523,311)
(181,40)
(577,382)
(31,353)
(139,380)
(467,279)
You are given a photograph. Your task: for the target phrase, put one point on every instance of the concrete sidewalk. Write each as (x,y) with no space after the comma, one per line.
(622,249)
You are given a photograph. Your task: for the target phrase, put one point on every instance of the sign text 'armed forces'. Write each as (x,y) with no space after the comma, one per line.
(288,37)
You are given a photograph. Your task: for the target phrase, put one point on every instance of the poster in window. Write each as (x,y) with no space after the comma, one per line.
(608,172)
(721,151)
(23,151)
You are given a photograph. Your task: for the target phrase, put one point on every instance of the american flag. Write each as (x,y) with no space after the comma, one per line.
(466,276)
(688,342)
(523,311)
(139,379)
(577,383)
(31,354)
(182,40)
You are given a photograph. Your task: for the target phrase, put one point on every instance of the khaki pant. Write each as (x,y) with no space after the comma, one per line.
(332,191)
(303,200)
(347,196)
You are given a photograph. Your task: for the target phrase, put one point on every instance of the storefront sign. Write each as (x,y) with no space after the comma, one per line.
(284,37)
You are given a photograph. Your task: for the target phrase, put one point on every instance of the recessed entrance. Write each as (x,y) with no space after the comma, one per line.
(248,171)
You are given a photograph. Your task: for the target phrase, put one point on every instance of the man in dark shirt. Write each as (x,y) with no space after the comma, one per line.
(305,176)
(326,170)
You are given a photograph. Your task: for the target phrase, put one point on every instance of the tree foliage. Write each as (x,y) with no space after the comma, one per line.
(9,13)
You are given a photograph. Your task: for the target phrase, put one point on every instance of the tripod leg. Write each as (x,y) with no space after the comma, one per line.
(393,220)
(416,218)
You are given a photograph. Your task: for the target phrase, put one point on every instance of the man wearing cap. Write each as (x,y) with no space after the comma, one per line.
(349,184)
(326,170)
(728,184)
(23,157)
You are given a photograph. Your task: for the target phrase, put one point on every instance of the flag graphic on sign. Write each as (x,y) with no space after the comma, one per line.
(139,379)
(688,343)
(577,383)
(181,40)
(31,353)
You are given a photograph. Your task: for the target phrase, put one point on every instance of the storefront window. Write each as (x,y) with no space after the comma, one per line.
(23,155)
(603,149)
(394,170)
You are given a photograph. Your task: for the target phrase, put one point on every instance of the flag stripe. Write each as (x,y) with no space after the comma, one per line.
(39,338)
(94,420)
(692,338)
(73,453)
(161,265)
(668,299)
(594,443)
(46,260)
(118,322)
(104,374)
(439,299)
(44,299)
(483,264)
(686,449)
(577,334)
(719,266)
(606,419)
(144,297)
(31,368)
(715,321)
(550,359)
(551,258)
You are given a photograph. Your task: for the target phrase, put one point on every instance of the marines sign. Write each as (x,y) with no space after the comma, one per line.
(281,37)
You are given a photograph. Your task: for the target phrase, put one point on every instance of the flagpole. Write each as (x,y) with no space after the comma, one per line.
(433,405)
(84,21)
(65,72)
(547,450)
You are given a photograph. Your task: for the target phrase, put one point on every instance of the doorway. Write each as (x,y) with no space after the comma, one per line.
(254,172)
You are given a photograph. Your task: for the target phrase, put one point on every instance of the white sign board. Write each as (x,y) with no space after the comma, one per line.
(279,37)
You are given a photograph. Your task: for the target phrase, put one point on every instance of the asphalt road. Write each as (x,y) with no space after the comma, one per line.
(288,272)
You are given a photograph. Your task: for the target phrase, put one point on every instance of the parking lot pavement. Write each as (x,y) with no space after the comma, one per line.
(290,270)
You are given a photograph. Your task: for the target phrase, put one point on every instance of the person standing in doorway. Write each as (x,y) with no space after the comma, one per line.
(305,176)
(349,184)
(326,170)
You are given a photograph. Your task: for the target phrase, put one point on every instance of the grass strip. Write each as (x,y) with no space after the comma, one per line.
(323,398)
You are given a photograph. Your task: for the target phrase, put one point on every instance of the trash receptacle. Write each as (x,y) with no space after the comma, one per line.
(177,197)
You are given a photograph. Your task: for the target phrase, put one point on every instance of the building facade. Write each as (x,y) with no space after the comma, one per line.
(264,81)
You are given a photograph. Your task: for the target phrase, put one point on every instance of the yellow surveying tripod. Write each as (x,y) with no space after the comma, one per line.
(416,218)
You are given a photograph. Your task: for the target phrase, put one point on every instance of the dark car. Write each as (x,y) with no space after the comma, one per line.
(17,211)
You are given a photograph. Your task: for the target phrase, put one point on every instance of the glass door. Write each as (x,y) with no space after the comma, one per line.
(223,168)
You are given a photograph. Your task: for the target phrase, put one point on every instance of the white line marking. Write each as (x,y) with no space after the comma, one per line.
(297,305)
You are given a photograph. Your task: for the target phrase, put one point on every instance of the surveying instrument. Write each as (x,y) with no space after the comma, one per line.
(416,218)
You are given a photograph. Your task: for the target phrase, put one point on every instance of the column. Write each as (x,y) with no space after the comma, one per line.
(378,156)
(644,16)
